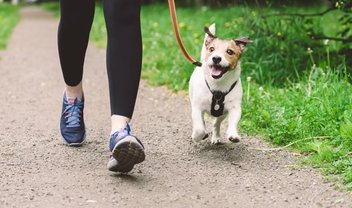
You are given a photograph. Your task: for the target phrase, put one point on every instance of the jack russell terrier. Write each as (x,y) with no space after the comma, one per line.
(215,87)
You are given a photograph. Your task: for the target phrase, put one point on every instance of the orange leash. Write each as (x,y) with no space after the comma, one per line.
(173,16)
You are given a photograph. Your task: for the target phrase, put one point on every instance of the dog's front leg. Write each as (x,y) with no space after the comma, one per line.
(215,138)
(234,118)
(198,132)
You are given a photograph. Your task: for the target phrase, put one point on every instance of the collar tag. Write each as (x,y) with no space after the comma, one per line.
(217,104)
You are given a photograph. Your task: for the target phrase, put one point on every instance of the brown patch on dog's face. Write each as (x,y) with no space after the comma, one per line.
(227,48)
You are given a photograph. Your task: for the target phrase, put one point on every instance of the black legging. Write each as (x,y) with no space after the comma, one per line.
(124,48)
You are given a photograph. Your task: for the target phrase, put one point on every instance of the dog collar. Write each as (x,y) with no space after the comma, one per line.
(217,103)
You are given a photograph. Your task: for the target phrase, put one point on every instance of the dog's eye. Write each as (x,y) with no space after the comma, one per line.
(211,49)
(230,52)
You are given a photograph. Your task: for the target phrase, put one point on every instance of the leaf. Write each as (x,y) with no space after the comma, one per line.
(346,126)
(345,32)
(346,130)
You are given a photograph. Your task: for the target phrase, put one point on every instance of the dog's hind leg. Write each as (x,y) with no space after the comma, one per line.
(215,138)
(234,118)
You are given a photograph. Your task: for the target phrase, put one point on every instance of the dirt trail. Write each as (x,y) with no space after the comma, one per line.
(36,170)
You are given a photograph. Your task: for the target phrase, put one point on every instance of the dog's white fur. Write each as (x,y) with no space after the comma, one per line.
(201,97)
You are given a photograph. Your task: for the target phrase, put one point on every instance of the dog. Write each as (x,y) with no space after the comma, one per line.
(215,87)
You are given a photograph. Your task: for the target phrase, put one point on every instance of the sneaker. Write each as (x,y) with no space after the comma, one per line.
(72,126)
(125,151)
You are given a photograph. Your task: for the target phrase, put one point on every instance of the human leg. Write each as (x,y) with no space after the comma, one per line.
(73,34)
(124,59)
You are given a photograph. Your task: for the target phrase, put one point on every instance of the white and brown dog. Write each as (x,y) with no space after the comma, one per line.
(215,87)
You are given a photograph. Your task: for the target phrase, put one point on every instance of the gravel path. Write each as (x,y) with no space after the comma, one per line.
(36,170)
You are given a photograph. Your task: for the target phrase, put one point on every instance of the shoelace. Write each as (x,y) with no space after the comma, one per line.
(122,133)
(72,113)
(116,136)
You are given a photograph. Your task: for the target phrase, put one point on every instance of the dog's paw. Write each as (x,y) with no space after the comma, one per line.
(205,136)
(215,140)
(234,139)
(199,136)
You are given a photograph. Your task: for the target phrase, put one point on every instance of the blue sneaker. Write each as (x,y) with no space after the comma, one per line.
(125,151)
(72,126)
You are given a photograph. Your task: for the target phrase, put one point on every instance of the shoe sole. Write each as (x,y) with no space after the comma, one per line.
(76,144)
(127,153)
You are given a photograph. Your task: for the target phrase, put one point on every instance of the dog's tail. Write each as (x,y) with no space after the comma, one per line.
(212,29)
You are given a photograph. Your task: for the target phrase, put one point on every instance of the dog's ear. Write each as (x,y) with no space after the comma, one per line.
(210,36)
(242,42)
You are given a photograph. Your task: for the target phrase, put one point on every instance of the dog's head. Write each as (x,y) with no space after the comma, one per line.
(222,56)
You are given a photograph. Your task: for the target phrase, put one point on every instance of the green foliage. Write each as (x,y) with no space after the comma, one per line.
(53,7)
(278,53)
(98,31)
(9,16)
(316,112)
(346,126)
(346,21)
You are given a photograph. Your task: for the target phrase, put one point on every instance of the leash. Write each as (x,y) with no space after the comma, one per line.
(172,8)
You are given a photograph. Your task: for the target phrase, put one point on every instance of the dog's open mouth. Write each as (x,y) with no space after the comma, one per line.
(217,71)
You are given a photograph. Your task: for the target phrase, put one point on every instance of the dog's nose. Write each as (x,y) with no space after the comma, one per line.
(216,59)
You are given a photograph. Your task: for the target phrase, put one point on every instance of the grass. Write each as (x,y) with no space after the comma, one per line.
(316,113)
(53,7)
(9,16)
(297,91)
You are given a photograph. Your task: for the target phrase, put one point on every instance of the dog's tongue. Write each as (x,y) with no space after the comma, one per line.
(216,71)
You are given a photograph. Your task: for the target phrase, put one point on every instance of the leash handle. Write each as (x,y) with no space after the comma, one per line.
(172,8)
